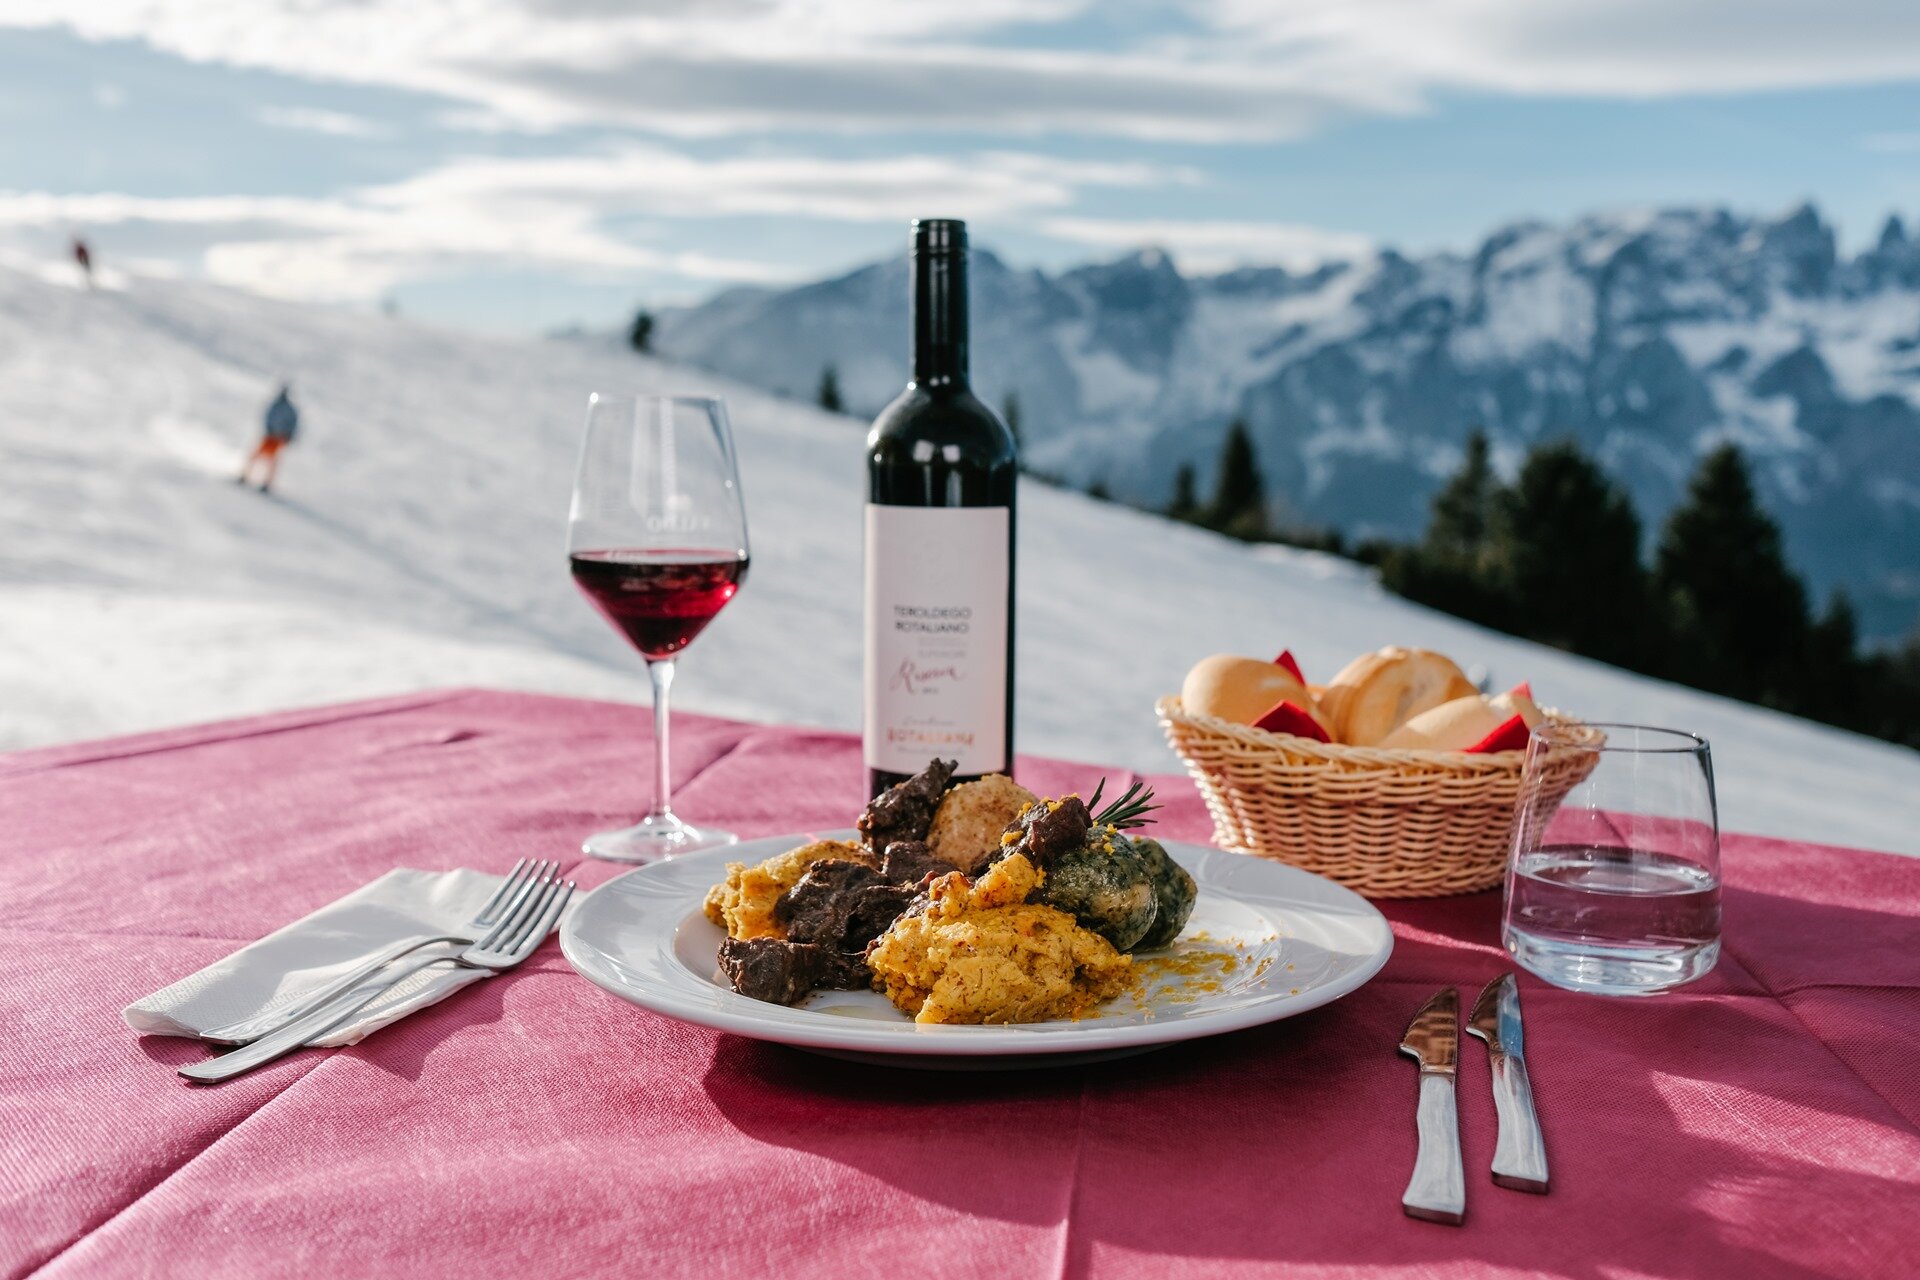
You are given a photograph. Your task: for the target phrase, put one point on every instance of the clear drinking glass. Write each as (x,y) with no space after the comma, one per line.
(657,539)
(1613,885)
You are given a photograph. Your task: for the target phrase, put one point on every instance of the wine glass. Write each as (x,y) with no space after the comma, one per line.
(657,539)
(1614,881)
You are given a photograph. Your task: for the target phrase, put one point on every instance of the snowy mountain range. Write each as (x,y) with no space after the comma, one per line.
(416,539)
(1648,337)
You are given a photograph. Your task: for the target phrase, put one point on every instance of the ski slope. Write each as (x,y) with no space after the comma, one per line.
(417,540)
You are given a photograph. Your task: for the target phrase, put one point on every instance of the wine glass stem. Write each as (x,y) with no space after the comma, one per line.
(660,671)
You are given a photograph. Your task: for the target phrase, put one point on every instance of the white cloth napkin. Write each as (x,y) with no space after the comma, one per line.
(303,957)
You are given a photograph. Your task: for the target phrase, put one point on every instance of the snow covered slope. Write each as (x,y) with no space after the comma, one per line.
(419,542)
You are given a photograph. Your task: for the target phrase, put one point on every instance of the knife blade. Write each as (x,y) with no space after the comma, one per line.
(1437,1192)
(1520,1155)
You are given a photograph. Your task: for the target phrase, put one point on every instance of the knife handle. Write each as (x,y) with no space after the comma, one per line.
(1438,1190)
(300,1030)
(1520,1155)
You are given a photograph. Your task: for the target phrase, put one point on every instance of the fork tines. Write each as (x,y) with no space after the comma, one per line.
(522,872)
(531,915)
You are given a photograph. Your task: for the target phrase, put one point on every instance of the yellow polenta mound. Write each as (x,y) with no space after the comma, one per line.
(743,906)
(967,825)
(981,953)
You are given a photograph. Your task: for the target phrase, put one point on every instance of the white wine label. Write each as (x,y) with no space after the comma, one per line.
(936,671)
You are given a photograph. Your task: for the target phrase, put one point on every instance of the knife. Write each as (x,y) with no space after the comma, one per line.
(1438,1189)
(1520,1156)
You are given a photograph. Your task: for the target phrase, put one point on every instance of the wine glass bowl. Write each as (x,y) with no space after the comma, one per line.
(657,541)
(660,600)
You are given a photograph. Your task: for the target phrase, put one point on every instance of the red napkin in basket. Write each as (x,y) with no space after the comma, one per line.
(1510,736)
(1289,717)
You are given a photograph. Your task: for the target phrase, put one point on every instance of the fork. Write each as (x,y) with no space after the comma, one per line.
(250,1029)
(526,924)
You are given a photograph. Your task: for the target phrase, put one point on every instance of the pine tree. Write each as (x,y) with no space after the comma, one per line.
(1563,550)
(1239,504)
(1463,508)
(1830,678)
(1894,677)
(1098,489)
(829,393)
(1739,614)
(1186,501)
(1010,413)
(1449,568)
(640,333)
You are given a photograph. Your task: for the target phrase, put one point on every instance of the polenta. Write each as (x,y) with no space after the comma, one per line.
(981,953)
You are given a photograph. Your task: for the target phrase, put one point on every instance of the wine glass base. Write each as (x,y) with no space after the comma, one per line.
(653,839)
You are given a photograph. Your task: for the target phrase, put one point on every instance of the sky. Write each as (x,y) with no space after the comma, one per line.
(526,165)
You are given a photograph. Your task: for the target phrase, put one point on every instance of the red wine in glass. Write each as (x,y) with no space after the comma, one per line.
(657,540)
(661,599)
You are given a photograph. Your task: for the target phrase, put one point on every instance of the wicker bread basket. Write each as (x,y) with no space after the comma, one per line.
(1388,824)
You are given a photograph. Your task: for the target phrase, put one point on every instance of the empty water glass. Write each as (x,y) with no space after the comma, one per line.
(1613,884)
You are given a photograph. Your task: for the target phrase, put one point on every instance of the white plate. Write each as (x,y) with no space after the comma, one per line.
(1297,941)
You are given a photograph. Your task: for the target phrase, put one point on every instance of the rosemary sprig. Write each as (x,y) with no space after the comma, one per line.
(1128,811)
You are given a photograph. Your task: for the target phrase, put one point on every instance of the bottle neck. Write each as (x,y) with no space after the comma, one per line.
(940,317)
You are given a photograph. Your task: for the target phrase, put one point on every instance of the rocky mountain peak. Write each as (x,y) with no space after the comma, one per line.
(1803,247)
(1647,335)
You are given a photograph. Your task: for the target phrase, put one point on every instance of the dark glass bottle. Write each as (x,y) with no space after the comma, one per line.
(941,473)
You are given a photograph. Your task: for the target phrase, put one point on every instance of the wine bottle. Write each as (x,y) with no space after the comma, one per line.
(941,472)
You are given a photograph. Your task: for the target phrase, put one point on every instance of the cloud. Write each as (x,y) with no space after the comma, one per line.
(1211,71)
(1600,48)
(554,212)
(359,247)
(1207,71)
(733,66)
(1216,246)
(661,182)
(1003,91)
(336,124)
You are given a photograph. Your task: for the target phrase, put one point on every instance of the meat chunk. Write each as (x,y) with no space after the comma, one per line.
(826,920)
(1048,831)
(781,972)
(910,862)
(843,971)
(816,908)
(904,811)
(770,969)
(842,905)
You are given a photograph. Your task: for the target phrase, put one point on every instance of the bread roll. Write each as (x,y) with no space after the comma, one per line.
(1377,693)
(1518,701)
(967,826)
(1243,689)
(1459,724)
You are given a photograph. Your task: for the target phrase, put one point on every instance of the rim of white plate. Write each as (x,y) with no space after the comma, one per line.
(626,937)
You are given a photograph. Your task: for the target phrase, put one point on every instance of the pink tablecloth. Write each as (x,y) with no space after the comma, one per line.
(1765,1123)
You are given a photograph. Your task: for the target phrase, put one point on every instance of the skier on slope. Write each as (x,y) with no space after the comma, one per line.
(84,257)
(282,423)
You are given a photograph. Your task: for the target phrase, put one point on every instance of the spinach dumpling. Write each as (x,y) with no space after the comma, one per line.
(1106,886)
(1173,893)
